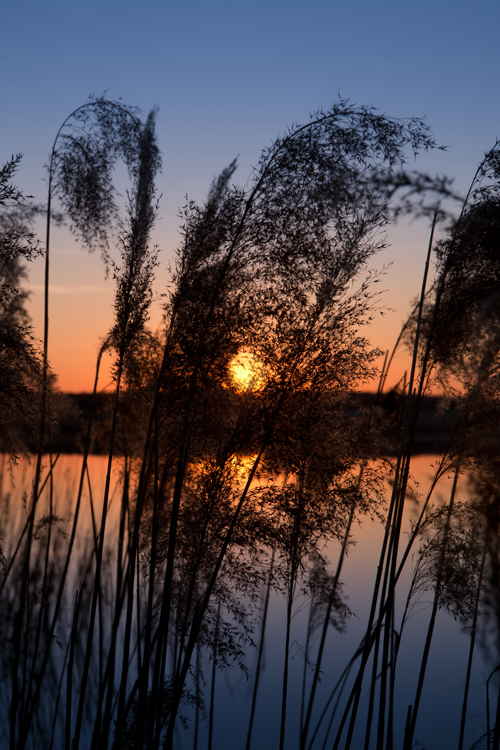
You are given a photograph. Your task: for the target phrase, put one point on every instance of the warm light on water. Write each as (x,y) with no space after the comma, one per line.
(444,682)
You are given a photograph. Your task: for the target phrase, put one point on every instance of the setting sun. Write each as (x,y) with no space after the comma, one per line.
(247,372)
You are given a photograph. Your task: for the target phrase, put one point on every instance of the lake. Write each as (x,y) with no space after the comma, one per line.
(439,718)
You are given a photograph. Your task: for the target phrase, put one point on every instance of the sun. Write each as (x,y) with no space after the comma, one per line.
(247,372)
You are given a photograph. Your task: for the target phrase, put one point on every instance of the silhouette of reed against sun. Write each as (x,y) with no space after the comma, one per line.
(247,372)
(125,602)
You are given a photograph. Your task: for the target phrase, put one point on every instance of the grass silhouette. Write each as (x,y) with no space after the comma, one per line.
(226,492)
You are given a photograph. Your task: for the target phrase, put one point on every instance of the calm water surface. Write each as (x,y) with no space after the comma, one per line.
(439,716)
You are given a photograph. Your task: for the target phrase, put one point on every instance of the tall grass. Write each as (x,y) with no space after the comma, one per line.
(228,491)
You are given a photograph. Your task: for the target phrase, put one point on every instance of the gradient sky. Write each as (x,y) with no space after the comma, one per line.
(227,78)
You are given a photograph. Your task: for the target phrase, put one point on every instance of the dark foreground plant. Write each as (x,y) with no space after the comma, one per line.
(20,365)
(228,485)
(266,270)
(454,334)
(84,151)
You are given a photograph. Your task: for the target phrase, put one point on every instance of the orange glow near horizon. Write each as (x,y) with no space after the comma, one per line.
(81,314)
(74,342)
(73,350)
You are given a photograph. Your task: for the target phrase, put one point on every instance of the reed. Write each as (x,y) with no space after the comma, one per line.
(229,489)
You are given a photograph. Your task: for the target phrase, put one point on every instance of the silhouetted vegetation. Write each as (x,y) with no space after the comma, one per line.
(233,490)
(20,369)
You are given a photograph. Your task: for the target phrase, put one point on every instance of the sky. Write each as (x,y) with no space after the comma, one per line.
(227,78)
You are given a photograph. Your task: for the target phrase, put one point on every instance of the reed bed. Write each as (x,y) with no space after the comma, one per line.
(229,484)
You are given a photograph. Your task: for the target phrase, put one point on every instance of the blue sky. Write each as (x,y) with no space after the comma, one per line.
(227,78)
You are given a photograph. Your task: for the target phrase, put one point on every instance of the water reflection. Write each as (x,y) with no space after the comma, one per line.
(228,640)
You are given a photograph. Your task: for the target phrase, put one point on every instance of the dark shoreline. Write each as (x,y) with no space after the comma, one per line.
(435,425)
